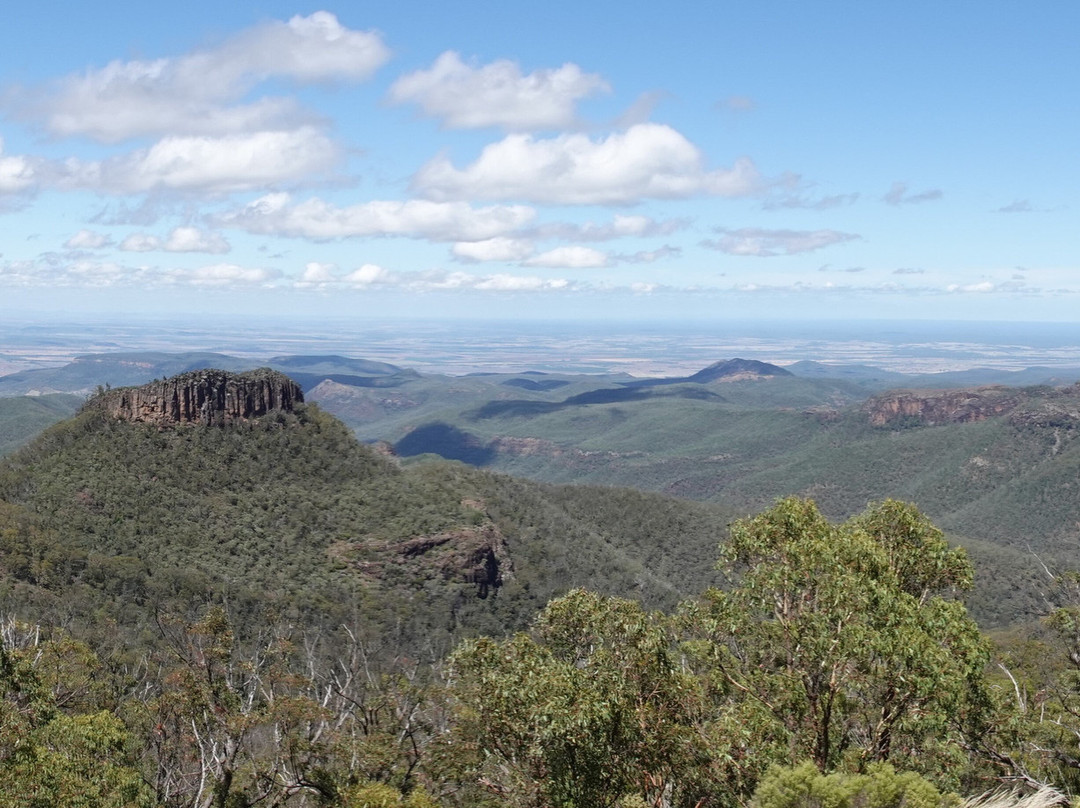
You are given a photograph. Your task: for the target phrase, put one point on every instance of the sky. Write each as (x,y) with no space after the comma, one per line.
(592,160)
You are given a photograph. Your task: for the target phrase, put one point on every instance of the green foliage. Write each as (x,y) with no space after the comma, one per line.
(288,515)
(1039,681)
(51,752)
(1005,481)
(588,709)
(836,644)
(380,795)
(265,603)
(880,787)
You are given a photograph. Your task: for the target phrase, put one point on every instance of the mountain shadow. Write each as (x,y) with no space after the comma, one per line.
(605,395)
(446,441)
(541,386)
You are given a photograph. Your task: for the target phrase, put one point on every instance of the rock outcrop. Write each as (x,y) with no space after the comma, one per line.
(931,407)
(1057,407)
(470,555)
(203,397)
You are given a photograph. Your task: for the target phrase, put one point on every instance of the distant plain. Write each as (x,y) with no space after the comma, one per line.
(638,348)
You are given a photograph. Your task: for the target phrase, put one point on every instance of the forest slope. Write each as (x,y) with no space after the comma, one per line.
(288,514)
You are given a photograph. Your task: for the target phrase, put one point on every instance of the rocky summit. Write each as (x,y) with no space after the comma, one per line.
(203,397)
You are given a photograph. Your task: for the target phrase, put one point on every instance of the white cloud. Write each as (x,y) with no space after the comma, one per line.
(573,257)
(222,275)
(620,226)
(373,276)
(140,242)
(898,195)
(317,273)
(231,163)
(764,243)
(191,239)
(190,94)
(977,288)
(17,172)
(462,281)
(370,275)
(87,240)
(503,282)
(51,271)
(469,97)
(647,161)
(275,214)
(500,248)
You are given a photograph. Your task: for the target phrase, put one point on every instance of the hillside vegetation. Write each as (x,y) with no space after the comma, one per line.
(260,611)
(288,512)
(995,466)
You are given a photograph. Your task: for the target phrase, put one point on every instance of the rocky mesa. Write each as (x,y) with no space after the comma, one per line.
(203,397)
(1033,406)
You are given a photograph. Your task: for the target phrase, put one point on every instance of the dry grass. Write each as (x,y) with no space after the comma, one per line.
(1043,798)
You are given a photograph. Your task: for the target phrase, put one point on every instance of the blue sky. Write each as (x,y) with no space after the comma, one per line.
(601,160)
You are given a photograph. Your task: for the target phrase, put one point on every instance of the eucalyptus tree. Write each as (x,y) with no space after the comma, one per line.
(842,644)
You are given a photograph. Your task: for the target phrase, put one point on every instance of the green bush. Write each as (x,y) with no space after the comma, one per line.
(881,787)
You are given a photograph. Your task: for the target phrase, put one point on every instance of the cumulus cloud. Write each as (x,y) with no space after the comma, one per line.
(221,275)
(87,240)
(503,282)
(980,287)
(191,239)
(572,257)
(52,270)
(465,96)
(765,243)
(275,214)
(899,195)
(140,242)
(240,162)
(500,248)
(181,239)
(621,226)
(370,275)
(18,173)
(316,273)
(373,276)
(646,161)
(191,94)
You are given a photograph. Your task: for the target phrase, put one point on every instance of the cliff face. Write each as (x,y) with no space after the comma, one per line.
(928,408)
(203,397)
(1032,406)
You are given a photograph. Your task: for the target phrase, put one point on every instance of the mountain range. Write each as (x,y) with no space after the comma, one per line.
(996,466)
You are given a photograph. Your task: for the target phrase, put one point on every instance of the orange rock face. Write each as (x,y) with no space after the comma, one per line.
(941,407)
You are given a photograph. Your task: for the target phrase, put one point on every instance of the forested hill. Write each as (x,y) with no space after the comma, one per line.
(286,513)
(257,610)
